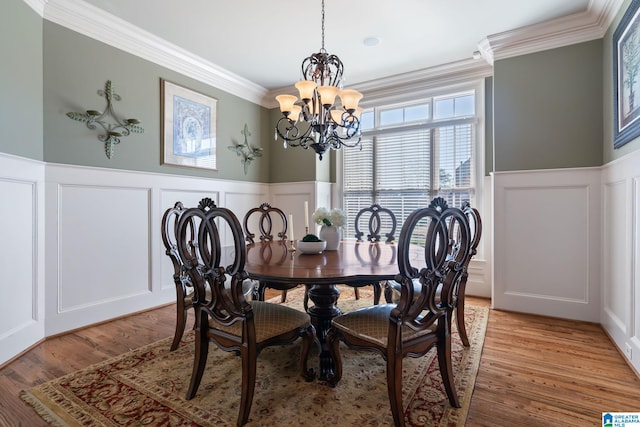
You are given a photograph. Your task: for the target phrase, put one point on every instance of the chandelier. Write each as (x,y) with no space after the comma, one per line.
(316,120)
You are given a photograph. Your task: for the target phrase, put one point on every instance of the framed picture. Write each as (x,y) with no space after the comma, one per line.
(188,127)
(626,76)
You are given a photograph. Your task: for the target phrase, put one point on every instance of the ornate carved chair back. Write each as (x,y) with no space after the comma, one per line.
(184,287)
(266,216)
(443,260)
(378,218)
(210,264)
(475,227)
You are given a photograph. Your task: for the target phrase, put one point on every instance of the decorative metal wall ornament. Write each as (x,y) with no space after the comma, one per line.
(112,131)
(246,152)
(317,121)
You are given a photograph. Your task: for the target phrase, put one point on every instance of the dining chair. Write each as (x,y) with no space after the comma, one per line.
(185,293)
(226,318)
(377,219)
(392,288)
(267,219)
(419,321)
(475,227)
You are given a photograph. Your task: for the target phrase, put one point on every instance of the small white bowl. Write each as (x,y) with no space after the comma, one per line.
(311,247)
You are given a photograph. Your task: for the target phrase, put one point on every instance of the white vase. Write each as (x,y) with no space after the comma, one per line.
(332,235)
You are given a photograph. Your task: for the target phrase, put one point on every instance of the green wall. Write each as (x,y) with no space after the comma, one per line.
(608,152)
(20,80)
(76,67)
(548,109)
(488,126)
(551,109)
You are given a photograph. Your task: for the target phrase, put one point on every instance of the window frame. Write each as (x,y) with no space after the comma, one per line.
(406,100)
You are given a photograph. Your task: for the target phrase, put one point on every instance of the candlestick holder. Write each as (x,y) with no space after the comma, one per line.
(112,129)
(306,231)
(292,248)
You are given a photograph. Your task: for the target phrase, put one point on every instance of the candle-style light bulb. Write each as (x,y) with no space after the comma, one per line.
(291,227)
(306,216)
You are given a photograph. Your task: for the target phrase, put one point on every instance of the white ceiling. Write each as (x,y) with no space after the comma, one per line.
(265,41)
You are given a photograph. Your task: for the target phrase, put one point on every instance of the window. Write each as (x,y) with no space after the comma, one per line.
(412,153)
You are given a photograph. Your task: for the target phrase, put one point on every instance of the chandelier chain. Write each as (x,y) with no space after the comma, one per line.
(322,50)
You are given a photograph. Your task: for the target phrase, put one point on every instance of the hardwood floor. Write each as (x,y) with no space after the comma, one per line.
(535,371)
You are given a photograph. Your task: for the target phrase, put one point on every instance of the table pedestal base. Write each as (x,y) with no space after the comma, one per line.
(324,298)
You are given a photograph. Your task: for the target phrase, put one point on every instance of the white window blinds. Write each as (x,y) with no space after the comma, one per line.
(403,168)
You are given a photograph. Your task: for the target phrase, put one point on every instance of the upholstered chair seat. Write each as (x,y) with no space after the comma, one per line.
(372,324)
(270,320)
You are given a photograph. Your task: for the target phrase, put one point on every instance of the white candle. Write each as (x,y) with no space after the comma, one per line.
(291,227)
(306,215)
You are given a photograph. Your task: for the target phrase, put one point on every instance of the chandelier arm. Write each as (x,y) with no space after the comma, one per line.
(351,128)
(291,134)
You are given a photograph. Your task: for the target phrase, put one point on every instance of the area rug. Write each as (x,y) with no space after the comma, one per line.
(146,387)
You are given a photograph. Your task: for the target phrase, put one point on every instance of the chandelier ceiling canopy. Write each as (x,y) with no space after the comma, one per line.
(317,120)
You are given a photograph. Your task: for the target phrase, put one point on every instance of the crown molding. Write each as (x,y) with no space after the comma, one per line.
(93,22)
(577,28)
(408,85)
(37,5)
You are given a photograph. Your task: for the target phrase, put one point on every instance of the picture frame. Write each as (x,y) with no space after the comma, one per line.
(626,76)
(189,124)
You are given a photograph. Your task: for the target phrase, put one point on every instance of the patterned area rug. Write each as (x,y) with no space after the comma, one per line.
(146,387)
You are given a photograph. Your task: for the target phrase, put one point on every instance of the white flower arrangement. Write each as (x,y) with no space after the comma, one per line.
(335,217)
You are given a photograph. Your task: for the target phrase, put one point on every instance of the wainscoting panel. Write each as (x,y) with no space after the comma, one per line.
(103,240)
(547,242)
(616,245)
(22,230)
(620,312)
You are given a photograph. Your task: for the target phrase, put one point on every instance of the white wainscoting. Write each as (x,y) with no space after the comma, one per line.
(620,312)
(22,317)
(547,242)
(93,237)
(104,253)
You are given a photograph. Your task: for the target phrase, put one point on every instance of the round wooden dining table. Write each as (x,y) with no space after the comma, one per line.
(354,264)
